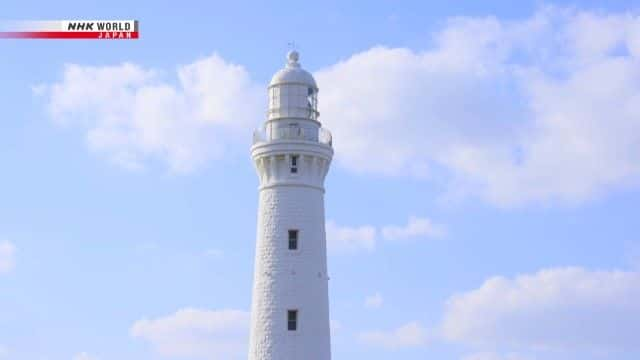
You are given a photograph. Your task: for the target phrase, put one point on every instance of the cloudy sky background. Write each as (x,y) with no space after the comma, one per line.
(482,203)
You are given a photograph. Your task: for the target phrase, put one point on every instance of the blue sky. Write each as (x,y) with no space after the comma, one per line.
(482,202)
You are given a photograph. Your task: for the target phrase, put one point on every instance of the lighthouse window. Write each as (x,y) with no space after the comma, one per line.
(293,239)
(275,97)
(294,164)
(310,98)
(292,320)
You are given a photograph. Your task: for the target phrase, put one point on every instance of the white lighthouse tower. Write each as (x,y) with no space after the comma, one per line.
(291,153)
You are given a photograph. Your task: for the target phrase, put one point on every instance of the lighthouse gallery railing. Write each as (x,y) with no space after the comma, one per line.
(297,133)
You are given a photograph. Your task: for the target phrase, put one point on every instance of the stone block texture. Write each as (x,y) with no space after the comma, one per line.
(290,279)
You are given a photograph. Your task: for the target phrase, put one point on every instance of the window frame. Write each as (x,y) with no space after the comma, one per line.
(294,164)
(291,240)
(292,325)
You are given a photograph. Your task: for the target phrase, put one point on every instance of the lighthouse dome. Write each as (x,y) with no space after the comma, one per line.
(293,73)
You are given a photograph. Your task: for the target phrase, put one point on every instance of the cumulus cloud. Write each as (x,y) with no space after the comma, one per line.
(408,335)
(349,239)
(416,227)
(374,301)
(540,109)
(84,356)
(197,334)
(7,256)
(493,356)
(335,326)
(561,308)
(133,116)
(214,253)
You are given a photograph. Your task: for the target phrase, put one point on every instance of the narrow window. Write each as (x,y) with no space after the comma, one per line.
(310,98)
(293,239)
(294,164)
(292,320)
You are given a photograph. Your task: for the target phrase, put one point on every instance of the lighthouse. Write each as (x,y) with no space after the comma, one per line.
(291,154)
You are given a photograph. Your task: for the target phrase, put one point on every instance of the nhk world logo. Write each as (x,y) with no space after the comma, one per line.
(70,29)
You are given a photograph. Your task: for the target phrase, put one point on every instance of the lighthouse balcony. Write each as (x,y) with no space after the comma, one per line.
(321,135)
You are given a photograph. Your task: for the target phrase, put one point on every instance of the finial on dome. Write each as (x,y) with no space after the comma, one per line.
(293,57)
(293,73)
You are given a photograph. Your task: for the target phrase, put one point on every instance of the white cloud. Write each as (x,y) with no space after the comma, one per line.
(416,227)
(132,116)
(374,301)
(349,239)
(409,335)
(7,256)
(346,239)
(197,334)
(513,112)
(335,326)
(493,356)
(495,109)
(215,253)
(84,356)
(561,308)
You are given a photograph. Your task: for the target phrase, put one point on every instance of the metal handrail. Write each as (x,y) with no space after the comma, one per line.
(260,135)
(325,137)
